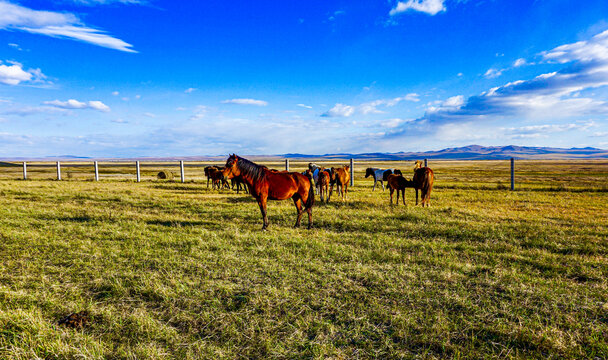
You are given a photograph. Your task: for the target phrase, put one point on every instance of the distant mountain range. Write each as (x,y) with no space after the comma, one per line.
(471,152)
(475,152)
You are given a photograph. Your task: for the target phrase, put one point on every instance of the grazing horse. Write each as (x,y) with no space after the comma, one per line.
(399,183)
(341,178)
(265,184)
(380,175)
(423,179)
(323,183)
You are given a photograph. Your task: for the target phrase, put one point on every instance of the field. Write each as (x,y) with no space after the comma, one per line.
(167,270)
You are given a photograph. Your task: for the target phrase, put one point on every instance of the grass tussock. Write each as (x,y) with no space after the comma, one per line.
(162,270)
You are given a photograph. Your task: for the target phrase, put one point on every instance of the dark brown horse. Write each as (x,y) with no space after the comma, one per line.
(208,170)
(399,183)
(423,181)
(341,178)
(265,184)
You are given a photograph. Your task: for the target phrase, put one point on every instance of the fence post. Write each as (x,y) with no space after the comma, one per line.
(96,171)
(352,172)
(286,164)
(138,173)
(512,174)
(24,170)
(425,162)
(181,170)
(58,170)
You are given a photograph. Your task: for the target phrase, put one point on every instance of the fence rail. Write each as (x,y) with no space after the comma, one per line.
(562,174)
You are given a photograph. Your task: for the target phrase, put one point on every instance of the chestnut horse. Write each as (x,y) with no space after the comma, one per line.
(399,183)
(266,184)
(341,178)
(323,183)
(423,181)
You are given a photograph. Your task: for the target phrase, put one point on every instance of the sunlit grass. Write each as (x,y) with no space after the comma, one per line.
(172,270)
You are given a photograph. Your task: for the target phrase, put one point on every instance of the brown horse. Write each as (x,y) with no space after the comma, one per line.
(208,170)
(341,178)
(399,183)
(323,183)
(217,179)
(265,184)
(423,181)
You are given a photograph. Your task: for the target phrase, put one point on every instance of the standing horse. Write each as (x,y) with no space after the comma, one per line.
(314,173)
(399,183)
(208,171)
(380,175)
(423,180)
(265,184)
(323,183)
(341,178)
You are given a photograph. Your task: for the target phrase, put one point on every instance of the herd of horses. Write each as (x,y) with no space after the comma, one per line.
(269,184)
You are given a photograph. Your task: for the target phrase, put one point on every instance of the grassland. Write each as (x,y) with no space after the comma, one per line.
(172,270)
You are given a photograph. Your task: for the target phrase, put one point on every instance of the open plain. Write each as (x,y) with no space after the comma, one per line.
(164,269)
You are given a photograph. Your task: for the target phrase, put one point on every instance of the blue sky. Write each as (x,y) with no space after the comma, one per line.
(124,78)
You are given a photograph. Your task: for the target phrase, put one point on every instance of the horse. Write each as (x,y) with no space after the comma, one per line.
(341,178)
(265,184)
(208,170)
(399,183)
(380,175)
(314,172)
(217,179)
(238,182)
(323,183)
(423,180)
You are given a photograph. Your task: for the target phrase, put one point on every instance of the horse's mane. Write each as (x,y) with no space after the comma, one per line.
(251,169)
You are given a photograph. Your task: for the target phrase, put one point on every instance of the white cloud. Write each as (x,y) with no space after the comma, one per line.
(340,110)
(541,130)
(119,121)
(107,2)
(190,90)
(199,113)
(519,62)
(305,106)
(245,102)
(431,7)
(149,114)
(454,101)
(75,104)
(55,24)
(493,73)
(14,74)
(393,123)
(115,93)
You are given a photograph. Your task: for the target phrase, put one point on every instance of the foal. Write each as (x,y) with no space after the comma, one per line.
(399,183)
(341,179)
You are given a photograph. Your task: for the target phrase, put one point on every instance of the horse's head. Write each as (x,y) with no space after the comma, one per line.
(398,172)
(346,167)
(418,164)
(231,169)
(369,172)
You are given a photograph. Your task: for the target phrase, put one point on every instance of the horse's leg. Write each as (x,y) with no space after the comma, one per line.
(346,190)
(262,204)
(331,190)
(402,196)
(374,188)
(392,191)
(416,196)
(382,183)
(298,203)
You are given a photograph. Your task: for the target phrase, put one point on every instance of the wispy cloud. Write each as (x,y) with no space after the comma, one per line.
(14,74)
(305,106)
(75,104)
(56,24)
(342,110)
(190,90)
(246,102)
(109,2)
(493,73)
(431,7)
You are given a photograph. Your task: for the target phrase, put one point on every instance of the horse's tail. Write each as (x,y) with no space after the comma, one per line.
(311,193)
